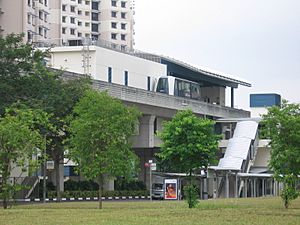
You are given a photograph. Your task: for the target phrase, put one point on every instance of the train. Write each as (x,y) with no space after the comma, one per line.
(178,87)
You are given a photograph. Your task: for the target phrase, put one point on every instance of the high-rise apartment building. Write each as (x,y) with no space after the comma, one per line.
(30,17)
(69,21)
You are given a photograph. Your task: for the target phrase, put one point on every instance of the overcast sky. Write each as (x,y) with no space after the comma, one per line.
(256,40)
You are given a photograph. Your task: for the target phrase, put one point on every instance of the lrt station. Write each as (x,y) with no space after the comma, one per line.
(159,86)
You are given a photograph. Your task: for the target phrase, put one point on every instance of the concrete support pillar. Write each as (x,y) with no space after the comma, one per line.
(217,185)
(263,192)
(254,187)
(201,188)
(145,137)
(245,188)
(226,185)
(236,188)
(271,186)
(214,188)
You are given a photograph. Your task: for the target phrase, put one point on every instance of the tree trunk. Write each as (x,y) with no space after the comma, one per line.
(100,182)
(5,176)
(57,177)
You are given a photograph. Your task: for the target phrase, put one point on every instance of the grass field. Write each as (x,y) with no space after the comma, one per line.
(227,211)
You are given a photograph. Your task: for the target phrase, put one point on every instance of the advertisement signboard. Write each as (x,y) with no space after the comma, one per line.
(171,188)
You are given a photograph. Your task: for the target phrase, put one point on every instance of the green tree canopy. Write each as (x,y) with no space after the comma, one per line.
(189,144)
(20,139)
(99,137)
(24,78)
(282,125)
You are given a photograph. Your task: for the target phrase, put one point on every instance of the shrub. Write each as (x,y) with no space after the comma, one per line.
(191,194)
(91,194)
(132,185)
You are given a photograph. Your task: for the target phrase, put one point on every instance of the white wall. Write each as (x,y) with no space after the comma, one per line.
(138,69)
(70,59)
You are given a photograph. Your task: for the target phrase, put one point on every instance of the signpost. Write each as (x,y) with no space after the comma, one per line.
(152,167)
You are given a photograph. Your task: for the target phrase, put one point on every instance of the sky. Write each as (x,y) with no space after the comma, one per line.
(255,40)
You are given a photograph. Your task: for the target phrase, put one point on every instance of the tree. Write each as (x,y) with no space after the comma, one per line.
(189,144)
(17,62)
(24,78)
(282,126)
(20,140)
(99,137)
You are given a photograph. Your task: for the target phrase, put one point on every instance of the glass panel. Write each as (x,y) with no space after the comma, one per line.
(195,91)
(162,86)
(182,88)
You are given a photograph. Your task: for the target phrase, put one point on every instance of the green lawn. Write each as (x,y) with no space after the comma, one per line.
(231,211)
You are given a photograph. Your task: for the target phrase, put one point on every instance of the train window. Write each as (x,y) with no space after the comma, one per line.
(163,86)
(195,91)
(182,88)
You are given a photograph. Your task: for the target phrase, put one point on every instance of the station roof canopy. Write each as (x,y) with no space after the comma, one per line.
(206,77)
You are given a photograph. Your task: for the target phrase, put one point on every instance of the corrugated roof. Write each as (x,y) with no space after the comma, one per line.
(245,129)
(238,147)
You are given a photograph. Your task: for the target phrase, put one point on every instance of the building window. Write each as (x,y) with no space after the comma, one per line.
(29,4)
(41,1)
(79,34)
(123,26)
(113,14)
(87,13)
(123,37)
(28,18)
(63,19)
(123,47)
(72,8)
(87,35)
(79,1)
(63,30)
(113,25)
(126,78)
(149,83)
(123,4)
(72,31)
(113,36)
(95,27)
(45,17)
(29,36)
(87,2)
(64,7)
(109,75)
(87,24)
(72,20)
(95,37)
(41,15)
(79,23)
(79,12)
(40,31)
(123,15)
(95,5)
(46,3)
(95,16)
(45,33)
(114,3)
